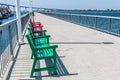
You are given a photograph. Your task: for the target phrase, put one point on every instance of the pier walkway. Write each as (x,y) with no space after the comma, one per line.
(83,53)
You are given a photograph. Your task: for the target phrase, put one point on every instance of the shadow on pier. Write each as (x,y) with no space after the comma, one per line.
(82,43)
(13,64)
(61,69)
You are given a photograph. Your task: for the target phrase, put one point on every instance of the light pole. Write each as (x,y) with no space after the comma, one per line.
(18,16)
(31,10)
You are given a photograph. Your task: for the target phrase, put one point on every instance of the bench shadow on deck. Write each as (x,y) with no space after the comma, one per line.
(13,64)
(61,71)
(82,43)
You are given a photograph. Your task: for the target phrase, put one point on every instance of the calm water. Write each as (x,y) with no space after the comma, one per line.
(108,25)
(103,24)
(98,13)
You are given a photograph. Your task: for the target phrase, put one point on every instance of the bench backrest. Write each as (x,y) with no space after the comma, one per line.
(29,38)
(40,39)
(32,24)
(42,32)
(47,50)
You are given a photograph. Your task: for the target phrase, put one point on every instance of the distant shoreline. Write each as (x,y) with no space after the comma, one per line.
(108,10)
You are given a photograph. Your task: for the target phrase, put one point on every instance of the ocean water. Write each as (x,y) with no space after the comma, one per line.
(13,17)
(97,13)
(104,24)
(107,25)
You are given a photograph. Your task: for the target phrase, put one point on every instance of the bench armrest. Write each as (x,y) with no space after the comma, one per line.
(36,37)
(38,31)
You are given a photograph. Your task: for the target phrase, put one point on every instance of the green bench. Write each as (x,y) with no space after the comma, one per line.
(38,40)
(42,52)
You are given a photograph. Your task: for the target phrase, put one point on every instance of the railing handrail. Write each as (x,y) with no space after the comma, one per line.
(109,25)
(86,15)
(12,20)
(9,40)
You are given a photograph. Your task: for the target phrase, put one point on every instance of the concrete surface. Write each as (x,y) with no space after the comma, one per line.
(83,53)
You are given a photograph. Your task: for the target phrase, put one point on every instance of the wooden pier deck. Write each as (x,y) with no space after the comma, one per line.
(83,53)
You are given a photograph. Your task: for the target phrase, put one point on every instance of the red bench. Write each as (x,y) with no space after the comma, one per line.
(36,25)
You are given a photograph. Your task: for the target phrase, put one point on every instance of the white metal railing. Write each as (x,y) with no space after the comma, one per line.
(106,24)
(8,41)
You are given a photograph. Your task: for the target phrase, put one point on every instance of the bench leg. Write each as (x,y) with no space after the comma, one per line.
(33,68)
(32,55)
(55,66)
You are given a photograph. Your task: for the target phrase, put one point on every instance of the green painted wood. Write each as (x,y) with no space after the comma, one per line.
(41,50)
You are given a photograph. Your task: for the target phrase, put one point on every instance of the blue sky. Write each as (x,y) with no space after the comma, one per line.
(70,4)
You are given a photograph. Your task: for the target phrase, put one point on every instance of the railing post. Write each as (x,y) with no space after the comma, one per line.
(0,66)
(31,10)
(78,21)
(0,57)
(96,22)
(20,41)
(109,27)
(10,42)
(86,21)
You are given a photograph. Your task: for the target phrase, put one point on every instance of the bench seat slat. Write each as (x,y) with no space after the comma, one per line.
(43,69)
(41,50)
(44,53)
